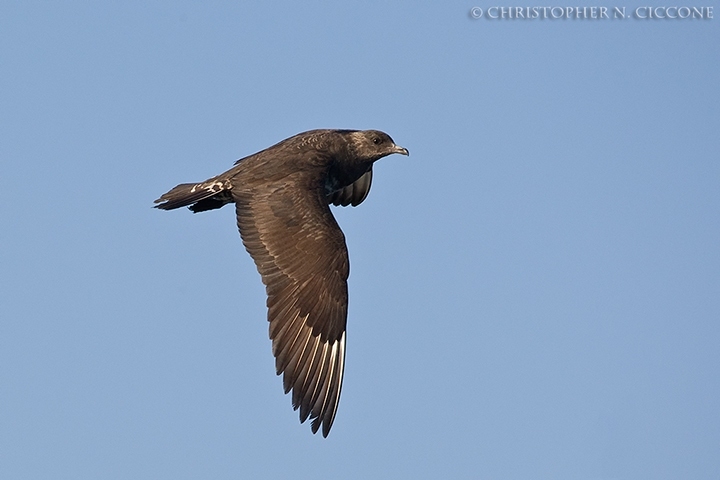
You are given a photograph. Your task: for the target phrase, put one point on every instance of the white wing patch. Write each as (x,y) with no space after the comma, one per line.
(339,352)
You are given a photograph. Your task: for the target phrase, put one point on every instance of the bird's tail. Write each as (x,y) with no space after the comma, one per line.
(208,195)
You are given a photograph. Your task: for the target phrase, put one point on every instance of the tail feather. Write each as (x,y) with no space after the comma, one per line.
(198,196)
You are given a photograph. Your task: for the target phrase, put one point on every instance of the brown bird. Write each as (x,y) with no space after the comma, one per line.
(282,196)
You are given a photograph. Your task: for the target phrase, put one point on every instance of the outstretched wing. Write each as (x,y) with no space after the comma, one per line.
(300,253)
(354,193)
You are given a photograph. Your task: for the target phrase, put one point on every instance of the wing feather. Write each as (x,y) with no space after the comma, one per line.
(300,252)
(353,194)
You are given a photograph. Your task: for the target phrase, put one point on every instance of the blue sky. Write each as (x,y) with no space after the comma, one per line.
(534,292)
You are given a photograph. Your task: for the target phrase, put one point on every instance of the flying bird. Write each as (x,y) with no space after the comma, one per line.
(282,198)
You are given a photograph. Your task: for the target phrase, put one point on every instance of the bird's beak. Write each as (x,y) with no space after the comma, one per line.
(400,150)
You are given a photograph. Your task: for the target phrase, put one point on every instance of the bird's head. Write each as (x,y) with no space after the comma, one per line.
(372,145)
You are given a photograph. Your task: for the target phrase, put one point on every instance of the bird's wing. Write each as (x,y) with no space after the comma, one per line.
(301,255)
(354,193)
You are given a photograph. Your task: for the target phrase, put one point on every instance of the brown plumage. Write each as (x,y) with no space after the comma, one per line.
(282,196)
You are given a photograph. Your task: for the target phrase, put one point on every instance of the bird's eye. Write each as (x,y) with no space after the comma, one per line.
(377,140)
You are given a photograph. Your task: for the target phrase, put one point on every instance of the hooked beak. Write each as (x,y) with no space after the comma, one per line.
(400,150)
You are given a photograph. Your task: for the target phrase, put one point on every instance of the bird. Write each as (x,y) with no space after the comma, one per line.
(282,198)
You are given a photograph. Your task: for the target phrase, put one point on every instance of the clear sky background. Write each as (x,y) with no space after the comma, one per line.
(534,292)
